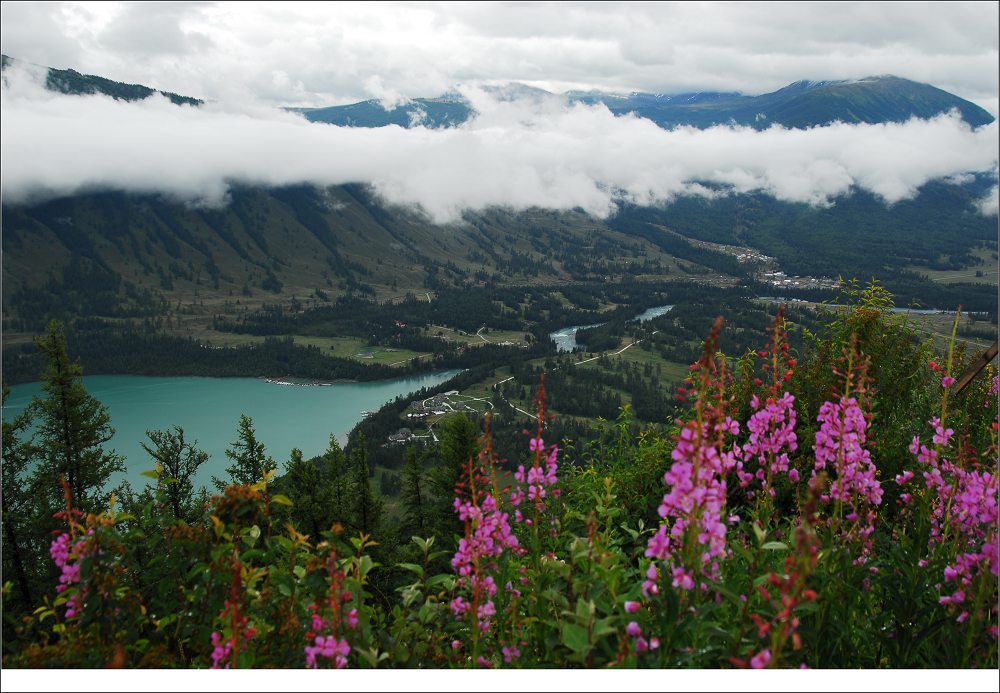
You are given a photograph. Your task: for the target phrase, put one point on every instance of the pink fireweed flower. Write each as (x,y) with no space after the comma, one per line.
(695,501)
(947,381)
(840,443)
(632,607)
(66,556)
(220,650)
(964,514)
(694,506)
(649,585)
(633,629)
(488,535)
(538,482)
(772,437)
(761,659)
(329,647)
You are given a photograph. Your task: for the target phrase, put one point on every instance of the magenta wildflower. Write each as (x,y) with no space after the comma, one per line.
(840,443)
(772,437)
(488,535)
(963,503)
(695,502)
(67,558)
(761,659)
(329,647)
(220,650)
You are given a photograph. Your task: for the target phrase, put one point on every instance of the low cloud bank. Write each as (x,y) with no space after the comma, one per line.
(513,154)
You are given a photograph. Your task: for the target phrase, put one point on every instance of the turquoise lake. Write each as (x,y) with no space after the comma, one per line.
(208,409)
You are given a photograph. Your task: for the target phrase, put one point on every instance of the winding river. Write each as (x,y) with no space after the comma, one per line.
(565,338)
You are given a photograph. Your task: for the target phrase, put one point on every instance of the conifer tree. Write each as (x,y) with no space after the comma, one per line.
(311,494)
(180,460)
(459,442)
(20,553)
(250,461)
(336,472)
(73,426)
(413,495)
(366,513)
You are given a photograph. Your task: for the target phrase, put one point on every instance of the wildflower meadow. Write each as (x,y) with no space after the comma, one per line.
(828,506)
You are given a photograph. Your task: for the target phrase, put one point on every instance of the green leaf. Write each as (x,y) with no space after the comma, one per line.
(197,570)
(575,637)
(759,532)
(584,610)
(728,594)
(806,607)
(775,546)
(281,499)
(412,567)
(166,621)
(603,627)
(300,571)
(151,473)
(743,552)
(435,580)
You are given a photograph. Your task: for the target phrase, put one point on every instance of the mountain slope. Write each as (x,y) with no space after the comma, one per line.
(799,105)
(72,82)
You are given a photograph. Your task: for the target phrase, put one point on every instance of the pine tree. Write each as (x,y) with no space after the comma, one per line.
(459,442)
(366,513)
(72,428)
(20,553)
(413,500)
(180,461)
(250,461)
(336,472)
(311,494)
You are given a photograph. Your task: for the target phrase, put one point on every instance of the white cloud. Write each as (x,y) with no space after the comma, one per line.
(515,153)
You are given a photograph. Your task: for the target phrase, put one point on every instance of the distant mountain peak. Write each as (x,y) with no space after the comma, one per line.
(69,81)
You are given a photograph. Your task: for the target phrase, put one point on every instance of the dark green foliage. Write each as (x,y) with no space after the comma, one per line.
(414,496)
(22,548)
(250,461)
(110,350)
(364,509)
(179,460)
(154,589)
(458,442)
(72,430)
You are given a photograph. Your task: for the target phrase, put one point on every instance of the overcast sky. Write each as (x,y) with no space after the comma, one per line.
(322,53)
(248,58)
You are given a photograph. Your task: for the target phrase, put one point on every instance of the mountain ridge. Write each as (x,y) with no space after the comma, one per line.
(800,104)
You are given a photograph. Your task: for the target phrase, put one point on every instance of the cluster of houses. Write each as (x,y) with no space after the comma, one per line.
(438,404)
(781,279)
(421,409)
